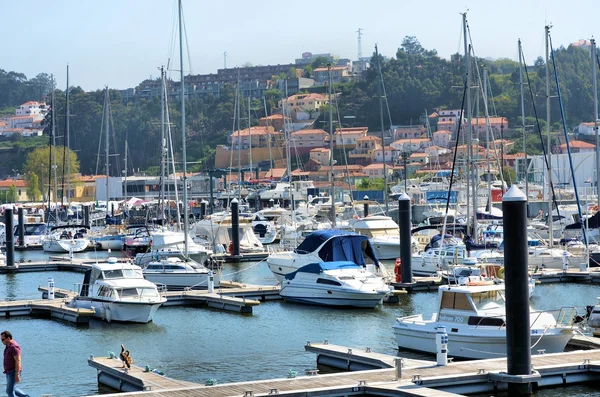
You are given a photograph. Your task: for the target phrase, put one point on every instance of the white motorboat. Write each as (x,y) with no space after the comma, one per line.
(33,234)
(118,292)
(383,233)
(475,318)
(69,238)
(178,274)
(327,246)
(165,244)
(342,284)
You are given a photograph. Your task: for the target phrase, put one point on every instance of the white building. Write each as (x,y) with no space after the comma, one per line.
(32,108)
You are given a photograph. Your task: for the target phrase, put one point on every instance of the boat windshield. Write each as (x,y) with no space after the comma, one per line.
(488,300)
(138,293)
(122,273)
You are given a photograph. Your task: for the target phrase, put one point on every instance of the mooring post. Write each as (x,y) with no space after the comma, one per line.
(405,237)
(518,338)
(235,227)
(86,215)
(21,227)
(366,206)
(10,237)
(202,209)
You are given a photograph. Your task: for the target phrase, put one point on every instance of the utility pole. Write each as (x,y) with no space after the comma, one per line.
(225,60)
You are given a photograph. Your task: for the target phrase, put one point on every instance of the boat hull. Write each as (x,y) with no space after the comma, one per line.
(62,246)
(133,312)
(330,297)
(478,343)
(178,281)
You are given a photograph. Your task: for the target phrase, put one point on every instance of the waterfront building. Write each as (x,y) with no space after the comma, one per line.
(346,137)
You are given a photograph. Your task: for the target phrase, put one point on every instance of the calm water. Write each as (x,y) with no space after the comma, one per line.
(195,344)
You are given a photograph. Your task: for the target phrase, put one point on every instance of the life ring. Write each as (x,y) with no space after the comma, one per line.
(397,270)
(230,248)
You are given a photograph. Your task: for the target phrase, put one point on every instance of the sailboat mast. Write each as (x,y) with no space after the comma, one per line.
(161,201)
(249,136)
(487,139)
(549,182)
(54,166)
(595,82)
(106,151)
(268,133)
(526,166)
(379,93)
(183,153)
(239,153)
(68,143)
(473,232)
(332,209)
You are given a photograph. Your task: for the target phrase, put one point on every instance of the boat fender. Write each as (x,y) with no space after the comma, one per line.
(501,273)
(397,270)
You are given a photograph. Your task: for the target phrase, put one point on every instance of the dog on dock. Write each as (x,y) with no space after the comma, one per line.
(125,357)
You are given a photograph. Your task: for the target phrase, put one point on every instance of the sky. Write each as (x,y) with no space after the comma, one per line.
(120,43)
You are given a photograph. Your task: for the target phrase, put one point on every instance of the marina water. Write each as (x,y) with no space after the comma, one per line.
(196,343)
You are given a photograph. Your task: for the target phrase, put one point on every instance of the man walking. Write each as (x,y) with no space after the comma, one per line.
(12,365)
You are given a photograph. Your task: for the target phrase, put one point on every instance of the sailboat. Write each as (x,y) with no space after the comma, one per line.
(173,266)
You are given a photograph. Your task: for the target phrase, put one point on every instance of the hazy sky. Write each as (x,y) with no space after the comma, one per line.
(121,42)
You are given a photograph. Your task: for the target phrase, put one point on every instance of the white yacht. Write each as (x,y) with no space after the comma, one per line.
(342,284)
(383,233)
(475,318)
(178,274)
(165,244)
(118,292)
(69,238)
(327,246)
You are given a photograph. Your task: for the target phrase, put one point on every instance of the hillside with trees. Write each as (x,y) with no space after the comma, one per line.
(416,80)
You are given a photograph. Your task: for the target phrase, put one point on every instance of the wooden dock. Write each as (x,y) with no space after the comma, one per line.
(352,359)
(241,298)
(55,308)
(481,376)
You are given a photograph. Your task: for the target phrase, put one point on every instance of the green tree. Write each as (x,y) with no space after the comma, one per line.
(319,62)
(38,165)
(510,175)
(33,187)
(12,196)
(307,72)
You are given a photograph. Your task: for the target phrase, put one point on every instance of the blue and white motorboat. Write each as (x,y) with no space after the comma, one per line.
(327,246)
(341,283)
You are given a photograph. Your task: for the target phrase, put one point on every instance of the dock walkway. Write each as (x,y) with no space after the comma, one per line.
(421,380)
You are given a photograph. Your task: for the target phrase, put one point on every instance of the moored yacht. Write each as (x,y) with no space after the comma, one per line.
(475,318)
(327,246)
(341,284)
(118,292)
(178,274)
(383,233)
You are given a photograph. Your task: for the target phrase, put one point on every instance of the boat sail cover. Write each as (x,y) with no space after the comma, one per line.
(339,247)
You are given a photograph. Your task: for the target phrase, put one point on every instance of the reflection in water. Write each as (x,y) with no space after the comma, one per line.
(12,287)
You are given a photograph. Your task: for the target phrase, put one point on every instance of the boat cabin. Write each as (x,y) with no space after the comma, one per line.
(472,305)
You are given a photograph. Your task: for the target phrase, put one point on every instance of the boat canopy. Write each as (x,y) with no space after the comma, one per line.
(339,246)
(320,267)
